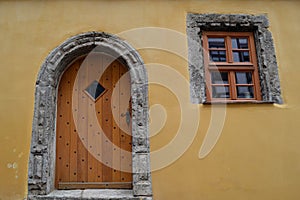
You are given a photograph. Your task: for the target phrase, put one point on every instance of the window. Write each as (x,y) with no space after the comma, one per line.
(231,59)
(230,66)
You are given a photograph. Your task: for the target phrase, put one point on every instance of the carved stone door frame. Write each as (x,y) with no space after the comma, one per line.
(41,174)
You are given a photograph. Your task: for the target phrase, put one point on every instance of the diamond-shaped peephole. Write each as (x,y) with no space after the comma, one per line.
(95,90)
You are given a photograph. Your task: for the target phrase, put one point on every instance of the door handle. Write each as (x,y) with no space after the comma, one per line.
(127,117)
(128,113)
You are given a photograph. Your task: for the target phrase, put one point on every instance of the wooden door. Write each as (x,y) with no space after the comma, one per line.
(93,142)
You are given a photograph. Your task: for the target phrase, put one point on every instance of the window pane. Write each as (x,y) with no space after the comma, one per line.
(239,43)
(220,92)
(243,77)
(216,43)
(241,56)
(245,92)
(219,77)
(217,56)
(95,89)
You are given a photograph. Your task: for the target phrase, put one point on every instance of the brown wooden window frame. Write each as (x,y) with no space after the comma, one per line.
(231,67)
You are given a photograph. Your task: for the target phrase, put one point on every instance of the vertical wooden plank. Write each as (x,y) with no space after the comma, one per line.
(107,122)
(67,112)
(125,130)
(99,110)
(92,122)
(82,123)
(73,132)
(60,126)
(116,176)
(63,127)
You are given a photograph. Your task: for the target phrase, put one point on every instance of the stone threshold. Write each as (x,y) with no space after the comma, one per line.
(89,194)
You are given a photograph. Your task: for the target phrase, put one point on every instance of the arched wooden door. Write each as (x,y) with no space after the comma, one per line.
(93,131)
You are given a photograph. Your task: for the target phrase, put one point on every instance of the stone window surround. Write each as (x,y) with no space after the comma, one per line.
(41,172)
(258,24)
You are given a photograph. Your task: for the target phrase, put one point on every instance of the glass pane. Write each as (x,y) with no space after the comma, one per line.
(239,43)
(219,77)
(220,92)
(216,43)
(217,56)
(245,92)
(243,77)
(95,89)
(241,56)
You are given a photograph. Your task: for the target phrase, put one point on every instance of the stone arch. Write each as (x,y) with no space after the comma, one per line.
(41,173)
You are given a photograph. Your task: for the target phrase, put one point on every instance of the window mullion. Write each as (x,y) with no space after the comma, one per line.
(229,49)
(232,85)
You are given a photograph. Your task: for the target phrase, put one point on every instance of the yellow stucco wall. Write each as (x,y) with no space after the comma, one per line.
(257,155)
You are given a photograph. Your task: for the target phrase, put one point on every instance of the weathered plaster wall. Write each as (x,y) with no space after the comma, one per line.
(257,155)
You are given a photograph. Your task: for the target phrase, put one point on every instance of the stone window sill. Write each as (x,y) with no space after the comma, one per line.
(237,102)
